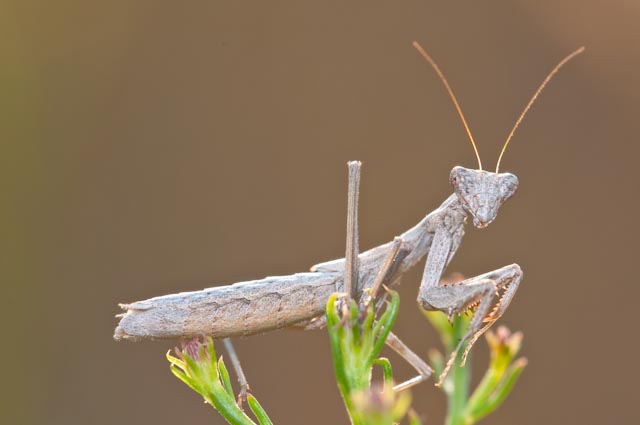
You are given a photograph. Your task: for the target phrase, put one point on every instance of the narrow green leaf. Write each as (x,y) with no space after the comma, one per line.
(501,392)
(186,379)
(210,348)
(485,388)
(334,328)
(353,309)
(369,318)
(228,408)
(387,371)
(176,361)
(368,333)
(331,311)
(383,327)
(224,377)
(257,410)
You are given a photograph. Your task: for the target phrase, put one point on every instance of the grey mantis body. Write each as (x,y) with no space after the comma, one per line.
(298,300)
(258,306)
(271,303)
(278,302)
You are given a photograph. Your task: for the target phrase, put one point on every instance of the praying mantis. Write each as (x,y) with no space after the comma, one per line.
(299,300)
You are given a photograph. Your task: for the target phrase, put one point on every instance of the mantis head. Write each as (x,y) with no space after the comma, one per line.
(481,193)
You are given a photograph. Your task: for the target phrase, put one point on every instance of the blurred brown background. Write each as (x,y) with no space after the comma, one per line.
(154,147)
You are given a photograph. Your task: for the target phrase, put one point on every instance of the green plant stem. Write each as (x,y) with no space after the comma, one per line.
(457,384)
(457,397)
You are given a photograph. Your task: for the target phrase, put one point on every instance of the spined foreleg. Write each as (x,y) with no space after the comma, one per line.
(487,295)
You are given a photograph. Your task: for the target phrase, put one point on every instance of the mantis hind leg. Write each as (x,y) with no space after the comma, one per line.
(488,295)
(423,369)
(237,367)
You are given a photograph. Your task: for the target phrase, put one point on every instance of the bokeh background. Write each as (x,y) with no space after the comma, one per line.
(152,147)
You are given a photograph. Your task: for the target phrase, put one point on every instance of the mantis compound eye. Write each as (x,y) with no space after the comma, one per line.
(508,185)
(459,176)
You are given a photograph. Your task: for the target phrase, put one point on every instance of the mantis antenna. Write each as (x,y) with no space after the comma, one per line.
(535,96)
(451,95)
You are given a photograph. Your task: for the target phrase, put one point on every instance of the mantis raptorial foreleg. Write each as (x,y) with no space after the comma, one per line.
(488,294)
